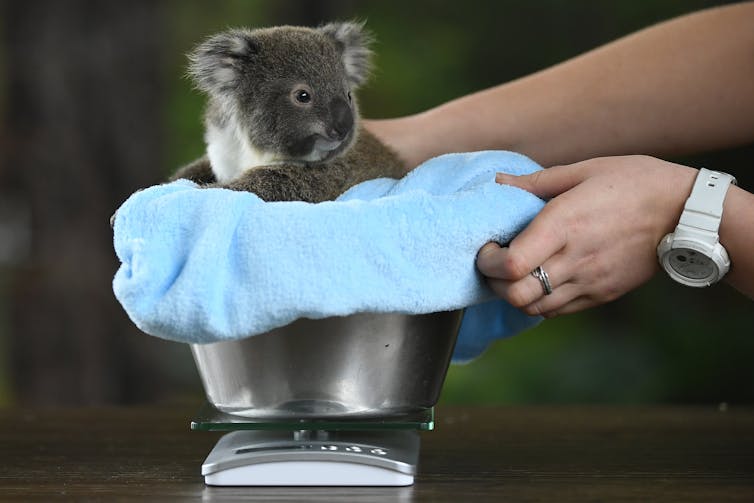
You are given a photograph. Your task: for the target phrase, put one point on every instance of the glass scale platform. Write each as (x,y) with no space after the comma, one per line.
(382,451)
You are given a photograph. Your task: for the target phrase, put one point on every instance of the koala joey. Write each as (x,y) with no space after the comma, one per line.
(282,120)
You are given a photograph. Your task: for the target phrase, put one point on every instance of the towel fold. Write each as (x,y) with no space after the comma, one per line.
(206,265)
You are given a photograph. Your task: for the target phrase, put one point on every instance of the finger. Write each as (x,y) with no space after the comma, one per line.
(523,292)
(550,305)
(578,304)
(519,294)
(543,238)
(540,240)
(489,261)
(546,183)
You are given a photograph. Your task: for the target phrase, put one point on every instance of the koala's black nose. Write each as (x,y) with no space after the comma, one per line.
(341,119)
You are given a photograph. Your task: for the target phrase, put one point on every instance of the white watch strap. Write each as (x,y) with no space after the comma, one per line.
(704,207)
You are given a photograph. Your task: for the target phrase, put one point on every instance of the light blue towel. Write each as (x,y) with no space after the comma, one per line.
(205,265)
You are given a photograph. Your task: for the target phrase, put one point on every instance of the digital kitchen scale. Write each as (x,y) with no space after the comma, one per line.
(312,452)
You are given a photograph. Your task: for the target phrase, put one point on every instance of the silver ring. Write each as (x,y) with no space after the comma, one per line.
(543,278)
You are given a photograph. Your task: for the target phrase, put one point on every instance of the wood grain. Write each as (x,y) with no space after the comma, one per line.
(549,453)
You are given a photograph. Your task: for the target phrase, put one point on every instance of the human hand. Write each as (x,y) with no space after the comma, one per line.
(596,237)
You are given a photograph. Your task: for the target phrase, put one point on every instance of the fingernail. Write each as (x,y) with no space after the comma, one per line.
(501,177)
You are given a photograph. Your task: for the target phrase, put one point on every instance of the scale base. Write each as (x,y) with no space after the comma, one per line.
(313,458)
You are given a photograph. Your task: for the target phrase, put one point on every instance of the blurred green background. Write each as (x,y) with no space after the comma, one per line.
(94,105)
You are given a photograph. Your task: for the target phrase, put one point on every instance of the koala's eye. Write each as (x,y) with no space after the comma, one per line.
(349,97)
(303,96)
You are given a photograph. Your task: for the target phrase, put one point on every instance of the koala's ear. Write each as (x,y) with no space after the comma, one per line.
(217,65)
(353,40)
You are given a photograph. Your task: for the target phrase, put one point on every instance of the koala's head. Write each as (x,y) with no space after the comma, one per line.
(288,89)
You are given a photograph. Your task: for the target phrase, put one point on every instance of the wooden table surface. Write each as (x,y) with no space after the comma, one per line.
(548,453)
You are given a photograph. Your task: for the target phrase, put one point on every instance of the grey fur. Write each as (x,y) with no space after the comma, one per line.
(263,135)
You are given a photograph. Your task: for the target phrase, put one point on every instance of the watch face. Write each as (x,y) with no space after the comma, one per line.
(691,264)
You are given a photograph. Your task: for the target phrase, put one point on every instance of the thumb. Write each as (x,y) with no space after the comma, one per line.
(546,183)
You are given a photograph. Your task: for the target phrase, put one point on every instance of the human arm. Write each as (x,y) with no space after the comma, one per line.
(678,87)
(580,237)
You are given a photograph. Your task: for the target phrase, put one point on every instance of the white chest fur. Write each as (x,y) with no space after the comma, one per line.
(230,154)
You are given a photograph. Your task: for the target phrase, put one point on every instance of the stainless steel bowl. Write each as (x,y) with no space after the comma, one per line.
(361,366)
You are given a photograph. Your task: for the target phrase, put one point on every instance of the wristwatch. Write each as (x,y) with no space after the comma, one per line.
(692,254)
